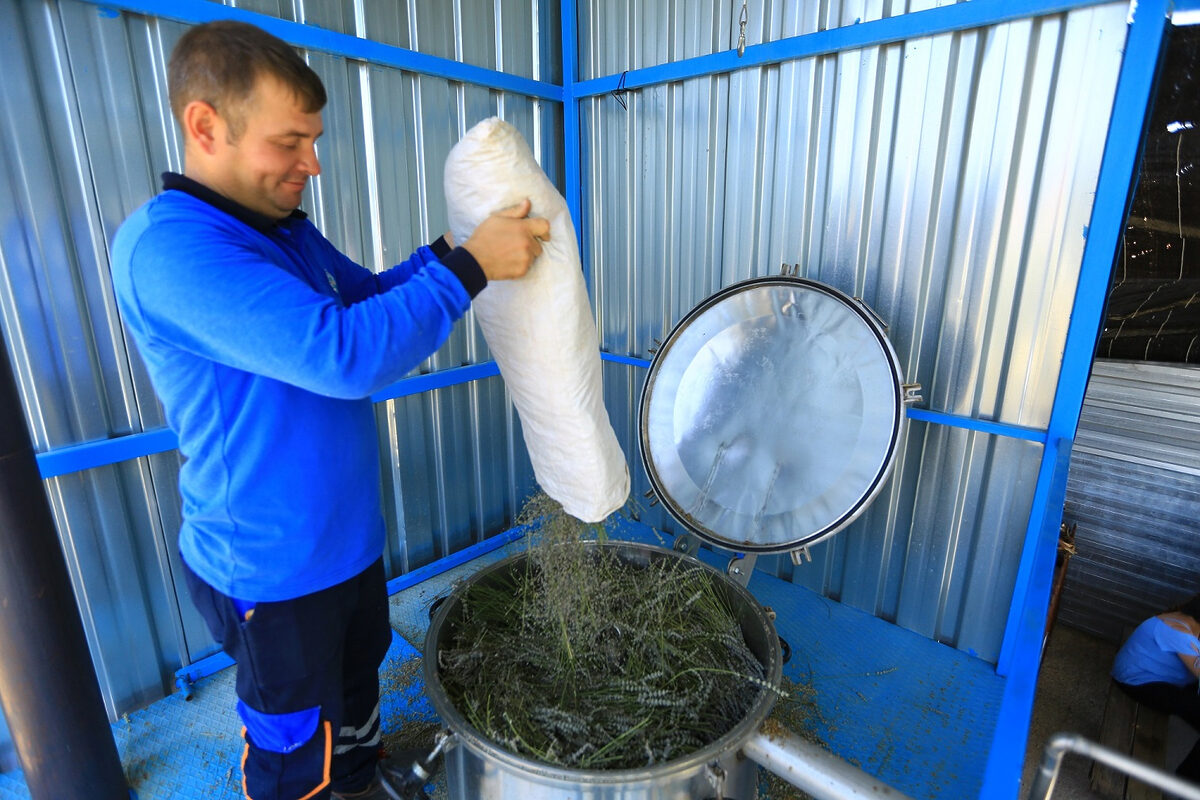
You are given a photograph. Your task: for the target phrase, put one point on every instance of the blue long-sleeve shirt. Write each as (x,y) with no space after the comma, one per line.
(264,344)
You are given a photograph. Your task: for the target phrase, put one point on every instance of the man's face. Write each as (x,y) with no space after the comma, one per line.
(268,166)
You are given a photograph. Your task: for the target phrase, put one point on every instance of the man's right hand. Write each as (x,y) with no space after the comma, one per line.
(506,243)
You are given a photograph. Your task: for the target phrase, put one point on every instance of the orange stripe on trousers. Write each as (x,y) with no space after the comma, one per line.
(328,763)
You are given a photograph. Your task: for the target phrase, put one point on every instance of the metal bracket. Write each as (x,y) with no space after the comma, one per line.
(872,312)
(652,497)
(912,393)
(716,776)
(801,555)
(687,543)
(740,569)
(789,270)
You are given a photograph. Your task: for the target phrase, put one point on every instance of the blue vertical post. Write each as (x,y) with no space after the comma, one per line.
(1020,653)
(572,150)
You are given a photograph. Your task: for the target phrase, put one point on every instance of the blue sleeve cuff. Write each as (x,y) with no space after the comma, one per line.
(466,269)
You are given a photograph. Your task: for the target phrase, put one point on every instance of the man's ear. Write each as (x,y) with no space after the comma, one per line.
(202,125)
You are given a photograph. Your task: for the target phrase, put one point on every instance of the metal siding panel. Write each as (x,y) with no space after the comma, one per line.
(433,27)
(387,22)
(338,200)
(622,388)
(616,35)
(945,179)
(333,15)
(281,9)
(1133,494)
(515,38)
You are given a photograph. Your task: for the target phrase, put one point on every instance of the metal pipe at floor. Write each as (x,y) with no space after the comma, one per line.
(1060,743)
(813,769)
(48,687)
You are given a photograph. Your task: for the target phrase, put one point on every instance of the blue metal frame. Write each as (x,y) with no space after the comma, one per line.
(1020,654)
(919,24)
(103,452)
(456,559)
(572,144)
(338,44)
(630,360)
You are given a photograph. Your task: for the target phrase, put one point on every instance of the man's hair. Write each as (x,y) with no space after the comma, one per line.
(219,63)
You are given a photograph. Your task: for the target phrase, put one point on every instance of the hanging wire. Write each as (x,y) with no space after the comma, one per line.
(619,92)
(741,46)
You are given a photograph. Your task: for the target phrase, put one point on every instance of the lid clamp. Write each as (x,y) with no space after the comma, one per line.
(911,393)
(800,555)
(741,568)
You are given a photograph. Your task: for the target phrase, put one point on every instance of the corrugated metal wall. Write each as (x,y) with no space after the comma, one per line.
(1134,493)
(87,131)
(947,180)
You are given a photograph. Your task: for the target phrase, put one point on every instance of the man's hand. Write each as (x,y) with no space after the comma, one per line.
(506,243)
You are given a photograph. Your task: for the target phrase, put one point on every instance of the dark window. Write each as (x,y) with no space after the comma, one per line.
(1154,304)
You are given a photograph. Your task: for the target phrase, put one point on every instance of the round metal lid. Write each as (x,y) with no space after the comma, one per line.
(771,414)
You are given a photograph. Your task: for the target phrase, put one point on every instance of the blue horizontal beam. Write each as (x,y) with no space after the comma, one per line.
(440,379)
(103,452)
(435,568)
(919,414)
(919,24)
(338,44)
(982,425)
(631,360)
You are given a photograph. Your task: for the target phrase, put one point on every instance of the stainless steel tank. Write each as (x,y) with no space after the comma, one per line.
(478,768)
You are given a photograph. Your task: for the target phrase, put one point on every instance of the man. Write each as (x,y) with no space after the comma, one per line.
(264,344)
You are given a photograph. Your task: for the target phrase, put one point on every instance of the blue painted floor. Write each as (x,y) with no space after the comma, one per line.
(915,713)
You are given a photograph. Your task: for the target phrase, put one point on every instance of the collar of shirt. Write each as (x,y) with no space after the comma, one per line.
(260,222)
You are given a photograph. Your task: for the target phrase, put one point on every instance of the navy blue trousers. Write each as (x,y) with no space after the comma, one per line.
(307,683)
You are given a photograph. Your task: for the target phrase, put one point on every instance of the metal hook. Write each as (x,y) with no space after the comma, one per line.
(741,47)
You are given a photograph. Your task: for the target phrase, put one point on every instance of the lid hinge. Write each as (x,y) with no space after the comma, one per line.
(687,543)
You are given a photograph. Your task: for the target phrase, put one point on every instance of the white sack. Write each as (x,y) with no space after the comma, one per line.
(540,327)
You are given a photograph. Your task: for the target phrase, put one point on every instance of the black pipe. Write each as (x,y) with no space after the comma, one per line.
(48,688)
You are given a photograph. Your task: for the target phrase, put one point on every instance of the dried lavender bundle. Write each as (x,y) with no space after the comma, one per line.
(583,659)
